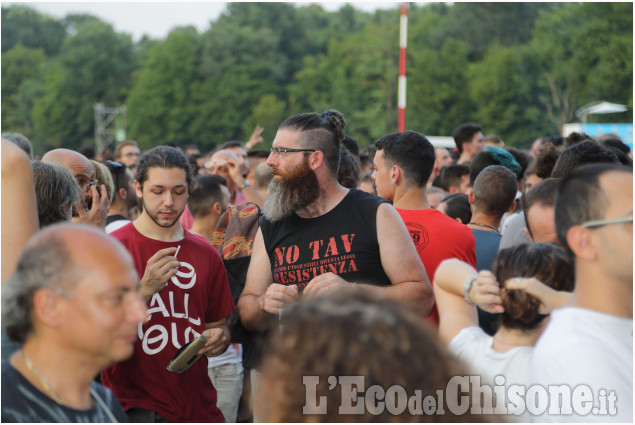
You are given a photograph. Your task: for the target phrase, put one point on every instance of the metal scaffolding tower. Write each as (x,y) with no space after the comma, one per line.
(110,126)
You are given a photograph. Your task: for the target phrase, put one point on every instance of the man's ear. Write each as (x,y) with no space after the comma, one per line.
(470,196)
(581,242)
(216,209)
(46,307)
(453,190)
(316,159)
(139,189)
(395,175)
(512,207)
(122,193)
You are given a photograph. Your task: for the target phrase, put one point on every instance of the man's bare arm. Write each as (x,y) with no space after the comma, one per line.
(19,206)
(261,299)
(250,193)
(401,263)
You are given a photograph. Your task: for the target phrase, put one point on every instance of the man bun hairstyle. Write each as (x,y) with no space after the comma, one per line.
(323,132)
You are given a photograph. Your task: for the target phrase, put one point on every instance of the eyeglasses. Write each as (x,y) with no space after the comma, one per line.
(279,151)
(592,224)
(88,185)
(116,168)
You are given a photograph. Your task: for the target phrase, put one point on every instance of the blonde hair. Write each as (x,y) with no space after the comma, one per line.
(103,176)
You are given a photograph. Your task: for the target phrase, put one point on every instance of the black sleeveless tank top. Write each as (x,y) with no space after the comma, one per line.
(342,241)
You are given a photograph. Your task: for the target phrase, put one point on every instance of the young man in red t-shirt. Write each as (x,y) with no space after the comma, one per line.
(403,163)
(184,284)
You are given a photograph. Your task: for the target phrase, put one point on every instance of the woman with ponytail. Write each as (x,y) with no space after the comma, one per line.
(528,282)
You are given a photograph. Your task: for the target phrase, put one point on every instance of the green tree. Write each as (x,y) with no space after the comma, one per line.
(227,45)
(358,77)
(584,53)
(503,88)
(19,65)
(481,24)
(226,104)
(94,65)
(438,86)
(24,25)
(269,113)
(160,105)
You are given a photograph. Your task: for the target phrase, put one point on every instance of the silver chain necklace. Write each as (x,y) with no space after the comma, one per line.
(43,380)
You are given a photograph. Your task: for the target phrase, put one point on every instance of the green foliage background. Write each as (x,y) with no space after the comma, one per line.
(519,69)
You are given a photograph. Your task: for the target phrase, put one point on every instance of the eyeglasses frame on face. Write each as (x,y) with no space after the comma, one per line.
(279,151)
(92,182)
(592,224)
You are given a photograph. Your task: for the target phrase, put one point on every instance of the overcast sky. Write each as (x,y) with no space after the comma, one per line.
(157,18)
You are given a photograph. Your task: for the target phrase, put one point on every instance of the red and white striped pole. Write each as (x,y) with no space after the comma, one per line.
(401,94)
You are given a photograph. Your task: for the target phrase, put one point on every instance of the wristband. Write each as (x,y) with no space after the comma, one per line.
(248,146)
(466,288)
(244,185)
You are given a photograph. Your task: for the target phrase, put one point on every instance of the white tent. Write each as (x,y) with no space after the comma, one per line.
(600,107)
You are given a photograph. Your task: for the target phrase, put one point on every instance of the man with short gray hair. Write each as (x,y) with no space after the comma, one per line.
(72,302)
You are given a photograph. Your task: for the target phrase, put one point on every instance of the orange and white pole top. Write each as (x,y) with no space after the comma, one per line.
(401,91)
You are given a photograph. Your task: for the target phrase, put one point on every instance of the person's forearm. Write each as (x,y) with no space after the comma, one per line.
(452,274)
(19,206)
(252,195)
(417,295)
(252,314)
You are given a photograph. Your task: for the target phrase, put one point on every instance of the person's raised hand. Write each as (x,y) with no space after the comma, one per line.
(159,270)
(549,298)
(486,292)
(98,212)
(255,137)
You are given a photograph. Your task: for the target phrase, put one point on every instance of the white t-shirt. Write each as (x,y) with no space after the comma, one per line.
(232,355)
(585,347)
(115,225)
(474,348)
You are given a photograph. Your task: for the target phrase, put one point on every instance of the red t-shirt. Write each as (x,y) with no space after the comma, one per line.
(437,237)
(186,219)
(198,294)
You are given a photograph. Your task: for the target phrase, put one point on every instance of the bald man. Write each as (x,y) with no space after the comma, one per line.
(94,202)
(73,304)
(225,163)
(263,176)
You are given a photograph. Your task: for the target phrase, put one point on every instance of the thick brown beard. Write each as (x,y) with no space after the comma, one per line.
(295,191)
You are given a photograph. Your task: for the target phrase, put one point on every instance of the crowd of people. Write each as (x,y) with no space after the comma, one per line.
(395,283)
